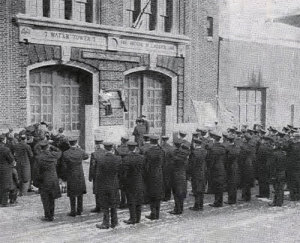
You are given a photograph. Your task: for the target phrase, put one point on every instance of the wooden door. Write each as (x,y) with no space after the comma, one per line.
(55,99)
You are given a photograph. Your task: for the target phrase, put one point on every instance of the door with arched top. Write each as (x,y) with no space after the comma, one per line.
(57,96)
(147,93)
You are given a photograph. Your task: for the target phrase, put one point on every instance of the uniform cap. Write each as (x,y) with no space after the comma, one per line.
(201,130)
(125,138)
(108,144)
(262,131)
(238,132)
(230,137)
(197,141)
(248,136)
(132,143)
(44,143)
(281,133)
(214,135)
(98,141)
(72,139)
(186,145)
(165,138)
(154,138)
(182,133)
(195,134)
(146,136)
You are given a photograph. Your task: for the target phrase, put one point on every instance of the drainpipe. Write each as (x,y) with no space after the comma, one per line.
(218,74)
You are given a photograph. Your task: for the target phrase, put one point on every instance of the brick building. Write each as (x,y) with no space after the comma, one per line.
(58,55)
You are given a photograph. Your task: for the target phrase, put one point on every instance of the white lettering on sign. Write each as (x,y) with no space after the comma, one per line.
(147,46)
(58,37)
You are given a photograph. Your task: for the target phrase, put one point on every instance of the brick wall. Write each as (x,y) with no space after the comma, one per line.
(202,55)
(263,65)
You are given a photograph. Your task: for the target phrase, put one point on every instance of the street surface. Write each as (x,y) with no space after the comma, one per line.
(245,222)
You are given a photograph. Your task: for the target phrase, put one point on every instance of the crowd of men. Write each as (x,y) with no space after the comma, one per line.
(150,169)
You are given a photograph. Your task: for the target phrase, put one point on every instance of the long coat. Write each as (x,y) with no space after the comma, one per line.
(23,157)
(6,166)
(138,134)
(178,174)
(247,154)
(277,166)
(231,165)
(154,157)
(167,166)
(263,154)
(197,168)
(293,165)
(93,168)
(72,166)
(107,181)
(133,170)
(215,160)
(46,178)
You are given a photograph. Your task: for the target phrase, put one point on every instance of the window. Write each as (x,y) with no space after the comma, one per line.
(169,16)
(136,11)
(68,9)
(252,106)
(153,16)
(89,11)
(210,28)
(46,8)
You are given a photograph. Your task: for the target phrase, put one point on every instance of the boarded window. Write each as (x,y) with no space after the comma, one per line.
(210,27)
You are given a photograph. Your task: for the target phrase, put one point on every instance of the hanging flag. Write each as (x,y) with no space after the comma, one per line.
(137,24)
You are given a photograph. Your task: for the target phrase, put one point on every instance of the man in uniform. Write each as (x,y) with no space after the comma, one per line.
(46,178)
(196,169)
(23,157)
(6,167)
(215,161)
(231,165)
(146,145)
(92,172)
(178,176)
(72,167)
(182,136)
(154,159)
(132,171)
(122,150)
(107,185)
(139,131)
(277,164)
(264,152)
(167,167)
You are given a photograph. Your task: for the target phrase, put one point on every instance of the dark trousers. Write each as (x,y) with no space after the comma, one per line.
(135,212)
(295,186)
(198,200)
(4,197)
(97,199)
(279,193)
(232,191)
(123,198)
(168,192)
(264,187)
(155,209)
(79,204)
(178,203)
(246,193)
(112,214)
(48,203)
(13,195)
(218,198)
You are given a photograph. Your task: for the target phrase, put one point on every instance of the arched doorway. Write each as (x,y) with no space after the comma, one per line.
(58,95)
(147,93)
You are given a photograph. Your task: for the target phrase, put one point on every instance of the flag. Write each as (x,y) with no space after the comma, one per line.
(137,24)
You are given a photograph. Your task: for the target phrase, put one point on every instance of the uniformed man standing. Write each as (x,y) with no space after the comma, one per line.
(23,157)
(231,165)
(196,169)
(92,172)
(107,185)
(167,167)
(215,161)
(139,131)
(46,178)
(154,177)
(146,144)
(178,174)
(6,166)
(72,167)
(132,171)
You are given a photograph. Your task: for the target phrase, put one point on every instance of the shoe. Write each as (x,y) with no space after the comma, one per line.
(102,226)
(215,205)
(72,214)
(78,213)
(230,203)
(96,210)
(129,221)
(4,205)
(47,219)
(174,212)
(150,217)
(261,196)
(113,226)
(195,208)
(272,204)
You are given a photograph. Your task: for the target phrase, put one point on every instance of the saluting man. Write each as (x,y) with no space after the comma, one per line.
(72,167)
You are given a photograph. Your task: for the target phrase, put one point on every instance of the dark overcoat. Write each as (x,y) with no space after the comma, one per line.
(45,175)
(107,181)
(215,160)
(93,168)
(72,166)
(23,157)
(154,157)
(138,134)
(197,169)
(132,171)
(293,164)
(168,162)
(277,166)
(178,175)
(231,165)
(6,166)
(247,154)
(263,154)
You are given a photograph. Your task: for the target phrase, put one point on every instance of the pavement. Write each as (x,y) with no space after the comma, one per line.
(244,222)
